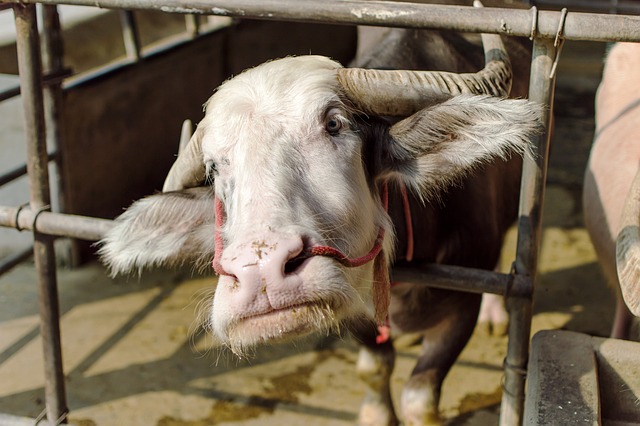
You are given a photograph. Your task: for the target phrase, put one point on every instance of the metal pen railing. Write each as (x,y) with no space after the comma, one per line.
(548,29)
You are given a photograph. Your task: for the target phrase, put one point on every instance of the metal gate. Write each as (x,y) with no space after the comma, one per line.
(547,29)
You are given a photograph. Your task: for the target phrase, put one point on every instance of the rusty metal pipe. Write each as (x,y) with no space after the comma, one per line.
(603,6)
(11,261)
(130,35)
(30,68)
(464,279)
(57,224)
(47,80)
(20,171)
(517,22)
(9,420)
(192,24)
(532,188)
(9,93)
(13,174)
(52,54)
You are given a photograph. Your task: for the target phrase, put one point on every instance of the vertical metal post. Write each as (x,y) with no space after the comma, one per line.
(534,175)
(30,68)
(53,64)
(130,35)
(192,23)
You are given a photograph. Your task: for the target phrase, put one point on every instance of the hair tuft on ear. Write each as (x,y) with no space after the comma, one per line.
(437,146)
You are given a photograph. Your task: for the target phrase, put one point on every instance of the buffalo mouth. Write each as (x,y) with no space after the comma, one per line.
(280,325)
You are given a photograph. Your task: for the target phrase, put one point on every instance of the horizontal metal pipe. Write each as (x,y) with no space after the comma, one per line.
(518,22)
(441,276)
(13,174)
(623,7)
(9,420)
(9,262)
(9,93)
(465,279)
(158,48)
(57,224)
(20,171)
(48,79)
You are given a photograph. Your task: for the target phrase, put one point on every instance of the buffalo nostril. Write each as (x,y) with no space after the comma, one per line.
(260,257)
(294,263)
(297,257)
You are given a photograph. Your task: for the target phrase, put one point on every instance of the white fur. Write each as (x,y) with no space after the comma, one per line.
(278,170)
(161,230)
(450,139)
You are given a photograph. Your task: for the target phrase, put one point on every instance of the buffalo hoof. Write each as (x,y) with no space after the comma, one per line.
(493,319)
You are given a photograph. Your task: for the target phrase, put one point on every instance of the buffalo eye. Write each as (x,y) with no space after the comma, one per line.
(333,123)
(210,169)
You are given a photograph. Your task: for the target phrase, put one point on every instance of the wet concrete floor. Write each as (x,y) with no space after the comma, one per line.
(134,353)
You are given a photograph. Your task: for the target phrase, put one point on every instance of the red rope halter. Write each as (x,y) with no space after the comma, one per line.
(381,285)
(317,250)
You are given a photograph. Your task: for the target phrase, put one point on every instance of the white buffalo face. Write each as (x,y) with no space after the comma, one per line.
(296,157)
(286,159)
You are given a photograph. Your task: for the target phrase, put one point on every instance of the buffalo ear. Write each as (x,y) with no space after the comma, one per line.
(440,144)
(167,229)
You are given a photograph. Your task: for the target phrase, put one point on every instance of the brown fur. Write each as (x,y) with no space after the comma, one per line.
(463,226)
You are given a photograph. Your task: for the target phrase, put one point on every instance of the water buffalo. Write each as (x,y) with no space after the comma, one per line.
(305,181)
(609,188)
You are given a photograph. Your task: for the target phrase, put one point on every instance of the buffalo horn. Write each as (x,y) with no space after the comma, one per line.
(188,171)
(628,248)
(404,92)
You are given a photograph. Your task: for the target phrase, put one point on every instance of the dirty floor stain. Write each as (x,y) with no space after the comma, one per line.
(221,411)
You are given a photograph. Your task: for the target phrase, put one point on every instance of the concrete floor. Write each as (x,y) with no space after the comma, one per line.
(134,353)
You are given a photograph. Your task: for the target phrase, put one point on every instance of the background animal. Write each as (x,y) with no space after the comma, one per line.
(613,165)
(297,153)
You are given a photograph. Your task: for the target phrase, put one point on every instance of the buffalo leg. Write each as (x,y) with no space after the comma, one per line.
(493,318)
(442,344)
(374,367)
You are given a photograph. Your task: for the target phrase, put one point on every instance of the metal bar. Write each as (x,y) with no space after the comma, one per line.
(158,48)
(57,224)
(20,171)
(30,69)
(465,279)
(441,276)
(130,35)
(534,173)
(53,63)
(192,23)
(9,420)
(47,80)
(457,18)
(623,7)
(9,262)
(13,174)
(517,22)
(52,54)
(9,93)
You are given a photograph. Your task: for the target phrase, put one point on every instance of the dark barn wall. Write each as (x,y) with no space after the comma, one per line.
(120,133)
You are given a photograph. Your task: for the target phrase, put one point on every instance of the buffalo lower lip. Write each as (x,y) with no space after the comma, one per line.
(282,323)
(293,309)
